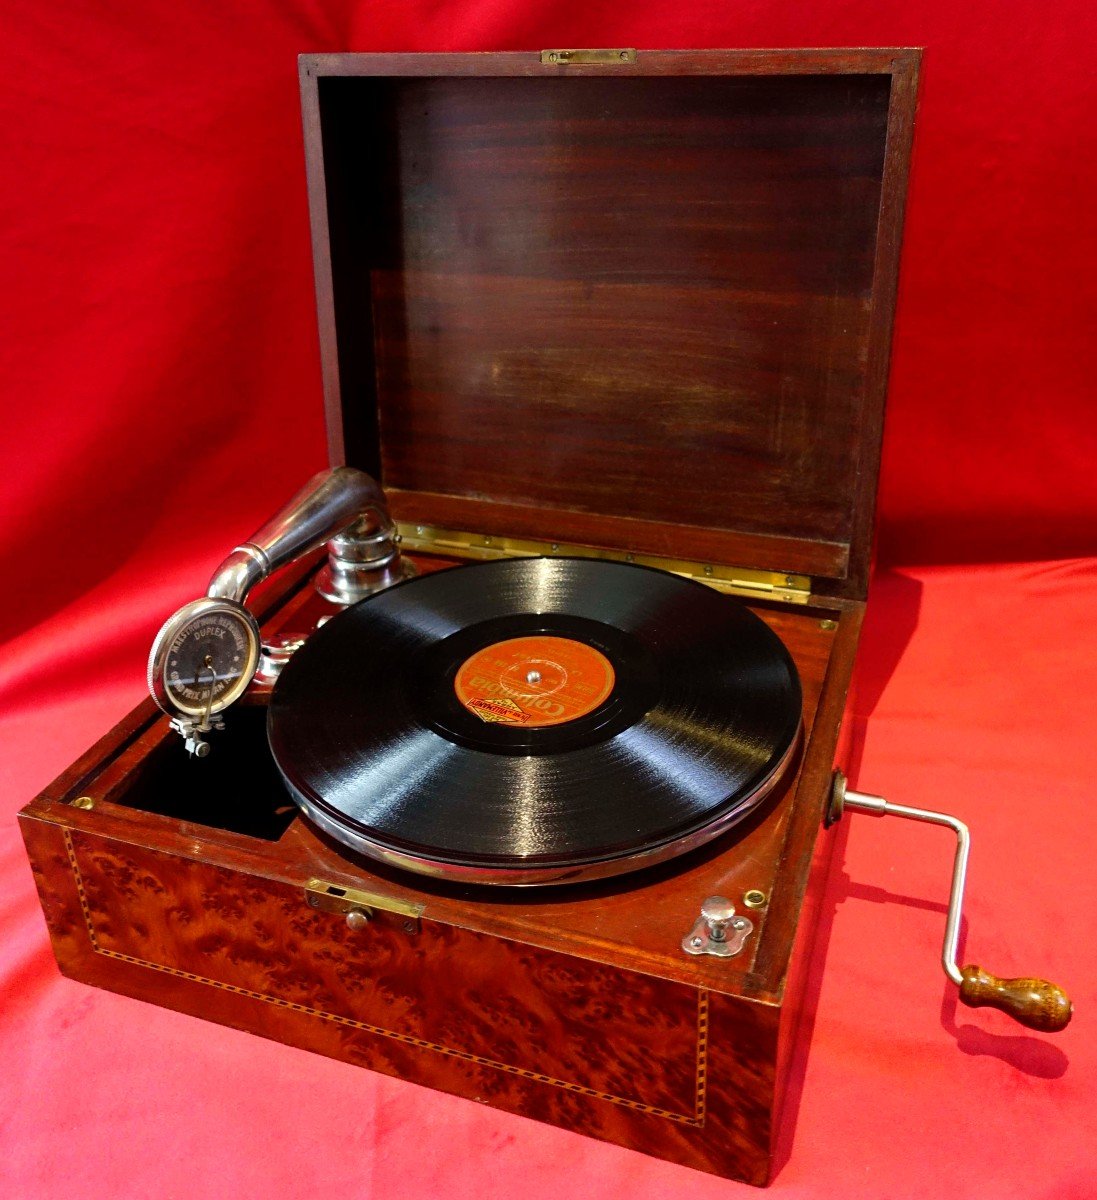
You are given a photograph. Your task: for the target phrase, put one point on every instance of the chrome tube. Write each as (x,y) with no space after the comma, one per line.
(326,505)
(878,806)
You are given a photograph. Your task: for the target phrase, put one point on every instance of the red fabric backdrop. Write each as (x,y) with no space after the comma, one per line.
(160,357)
(160,376)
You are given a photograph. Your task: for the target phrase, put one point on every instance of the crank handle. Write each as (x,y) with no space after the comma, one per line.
(1035,1003)
(325,506)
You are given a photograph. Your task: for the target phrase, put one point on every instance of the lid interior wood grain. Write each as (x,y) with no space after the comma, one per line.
(643,311)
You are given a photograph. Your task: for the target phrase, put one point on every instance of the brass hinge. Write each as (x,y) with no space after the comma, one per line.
(739,581)
(333,898)
(587,58)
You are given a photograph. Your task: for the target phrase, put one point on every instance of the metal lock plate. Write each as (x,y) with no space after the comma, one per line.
(718,931)
(363,906)
(587,58)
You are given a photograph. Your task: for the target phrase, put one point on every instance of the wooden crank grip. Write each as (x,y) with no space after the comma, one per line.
(1035,1003)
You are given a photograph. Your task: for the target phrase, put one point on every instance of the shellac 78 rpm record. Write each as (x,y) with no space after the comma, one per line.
(535,720)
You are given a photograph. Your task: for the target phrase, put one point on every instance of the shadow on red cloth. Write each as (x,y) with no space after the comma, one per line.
(891,618)
(890,621)
(1030,1055)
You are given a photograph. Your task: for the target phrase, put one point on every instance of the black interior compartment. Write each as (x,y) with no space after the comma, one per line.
(235,787)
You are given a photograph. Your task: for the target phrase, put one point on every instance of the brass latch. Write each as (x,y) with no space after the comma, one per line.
(586,58)
(362,907)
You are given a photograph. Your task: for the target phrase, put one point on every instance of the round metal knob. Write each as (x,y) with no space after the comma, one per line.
(717,912)
(357,919)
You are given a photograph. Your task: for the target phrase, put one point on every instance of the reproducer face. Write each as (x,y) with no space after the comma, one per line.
(203,658)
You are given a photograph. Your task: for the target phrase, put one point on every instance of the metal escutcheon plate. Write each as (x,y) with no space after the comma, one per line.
(699,940)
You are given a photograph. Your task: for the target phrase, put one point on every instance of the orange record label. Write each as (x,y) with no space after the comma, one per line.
(534,681)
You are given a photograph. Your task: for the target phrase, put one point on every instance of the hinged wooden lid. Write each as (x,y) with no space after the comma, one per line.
(634,301)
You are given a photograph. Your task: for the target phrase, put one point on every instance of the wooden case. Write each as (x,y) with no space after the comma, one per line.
(633,304)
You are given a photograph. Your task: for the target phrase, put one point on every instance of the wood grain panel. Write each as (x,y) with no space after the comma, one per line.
(248,952)
(585,1027)
(610,296)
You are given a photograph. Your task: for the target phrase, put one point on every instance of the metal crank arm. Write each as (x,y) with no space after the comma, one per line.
(1035,1003)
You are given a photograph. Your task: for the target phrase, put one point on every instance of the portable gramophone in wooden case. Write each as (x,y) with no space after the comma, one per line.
(540,831)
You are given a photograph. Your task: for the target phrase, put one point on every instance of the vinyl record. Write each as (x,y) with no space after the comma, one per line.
(535,720)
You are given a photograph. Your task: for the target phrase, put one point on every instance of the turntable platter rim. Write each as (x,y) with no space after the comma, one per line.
(698,729)
(558,873)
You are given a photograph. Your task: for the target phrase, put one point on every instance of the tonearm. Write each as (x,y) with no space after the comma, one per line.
(207,653)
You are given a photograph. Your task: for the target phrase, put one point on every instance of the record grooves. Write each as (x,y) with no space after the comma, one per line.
(535,720)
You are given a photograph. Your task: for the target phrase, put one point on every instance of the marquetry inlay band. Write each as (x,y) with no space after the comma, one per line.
(696,1119)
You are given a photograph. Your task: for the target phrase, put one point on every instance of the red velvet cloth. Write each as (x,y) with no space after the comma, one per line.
(161,386)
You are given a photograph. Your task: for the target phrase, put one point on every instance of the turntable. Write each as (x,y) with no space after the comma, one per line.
(516,791)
